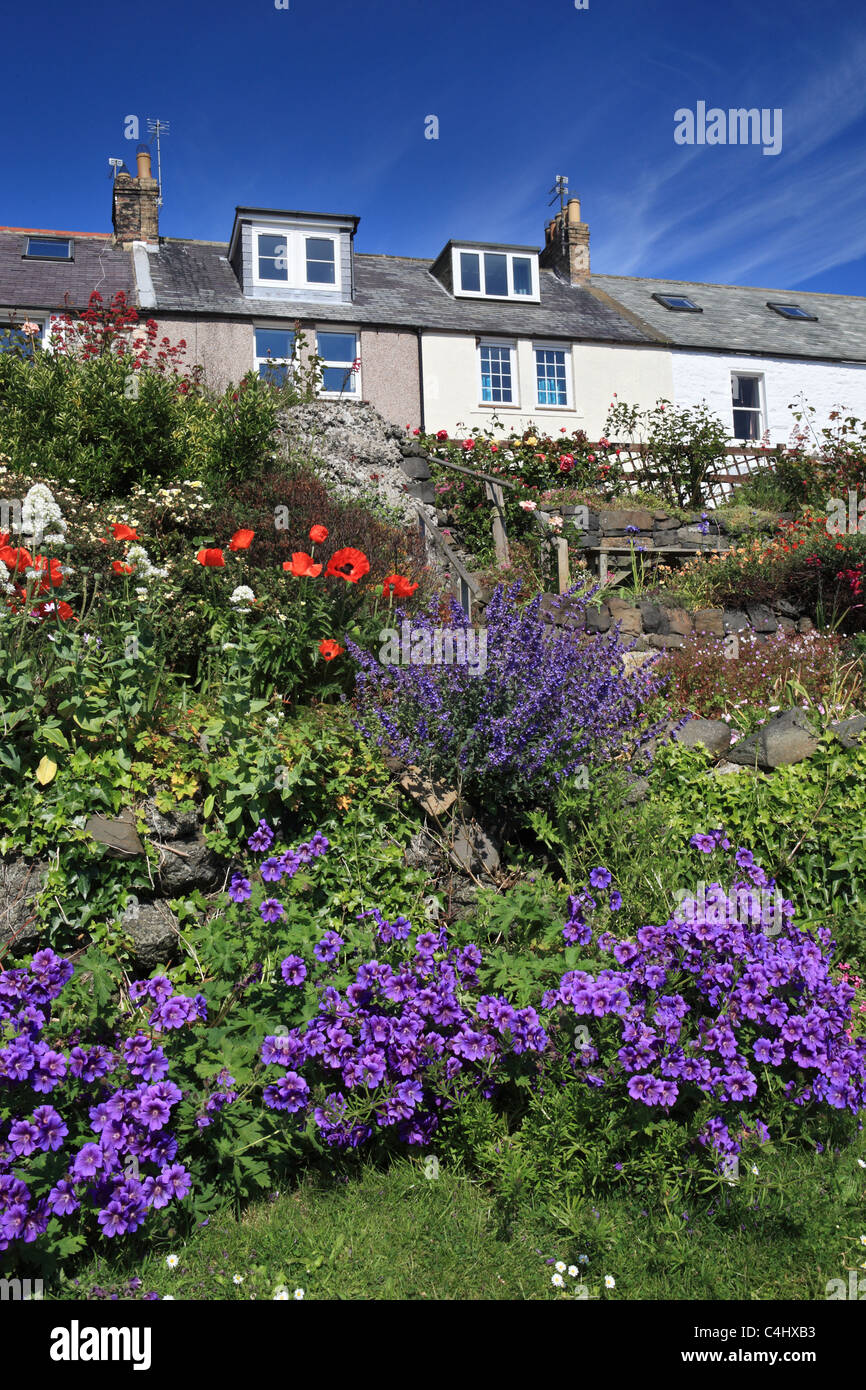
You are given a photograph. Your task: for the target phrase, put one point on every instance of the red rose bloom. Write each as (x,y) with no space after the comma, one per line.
(441,434)
(349,564)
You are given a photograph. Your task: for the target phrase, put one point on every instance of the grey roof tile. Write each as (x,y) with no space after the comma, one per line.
(735,318)
(393,291)
(98,265)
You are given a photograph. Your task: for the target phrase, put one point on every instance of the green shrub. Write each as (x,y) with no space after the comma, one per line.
(103,409)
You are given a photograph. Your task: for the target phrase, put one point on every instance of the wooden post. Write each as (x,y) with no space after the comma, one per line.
(560,545)
(602,566)
(494,495)
(465,597)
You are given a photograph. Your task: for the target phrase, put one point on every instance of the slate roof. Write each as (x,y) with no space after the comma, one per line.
(37,284)
(194,277)
(735,318)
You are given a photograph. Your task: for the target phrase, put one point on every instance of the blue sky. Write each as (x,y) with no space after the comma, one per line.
(322,107)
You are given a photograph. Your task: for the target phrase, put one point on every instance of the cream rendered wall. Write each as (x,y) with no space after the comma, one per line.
(825,385)
(224,347)
(452,385)
(389,374)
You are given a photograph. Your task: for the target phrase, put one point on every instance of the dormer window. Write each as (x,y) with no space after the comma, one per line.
(495,274)
(294,259)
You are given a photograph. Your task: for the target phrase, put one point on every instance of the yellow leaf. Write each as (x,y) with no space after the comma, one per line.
(45,772)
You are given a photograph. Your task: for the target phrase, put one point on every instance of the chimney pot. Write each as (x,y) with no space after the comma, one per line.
(142,155)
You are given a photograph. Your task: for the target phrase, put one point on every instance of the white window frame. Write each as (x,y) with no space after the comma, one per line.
(347,394)
(296,258)
(760,410)
(511,346)
(481,251)
(290,362)
(569,373)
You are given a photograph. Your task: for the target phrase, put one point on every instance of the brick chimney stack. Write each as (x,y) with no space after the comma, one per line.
(567,254)
(135,206)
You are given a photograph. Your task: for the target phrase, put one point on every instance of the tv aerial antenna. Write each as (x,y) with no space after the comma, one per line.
(560,193)
(157,127)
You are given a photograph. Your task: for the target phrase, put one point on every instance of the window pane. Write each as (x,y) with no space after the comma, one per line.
(745,389)
(495,374)
(42,246)
(273,372)
(339,379)
(522,275)
(321,269)
(747,424)
(550,373)
(273,257)
(470,272)
(337,347)
(495,273)
(12,339)
(274,342)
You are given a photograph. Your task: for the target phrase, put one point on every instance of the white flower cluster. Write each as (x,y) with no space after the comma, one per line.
(5,586)
(144,566)
(41,517)
(242,594)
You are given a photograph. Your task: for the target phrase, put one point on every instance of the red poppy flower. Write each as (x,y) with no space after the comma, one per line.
(124,533)
(330,649)
(46,610)
(120,568)
(213,559)
(302,565)
(398,585)
(52,573)
(349,564)
(318,534)
(241,540)
(16,558)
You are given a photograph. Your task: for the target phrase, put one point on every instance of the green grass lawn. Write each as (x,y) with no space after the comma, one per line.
(395,1234)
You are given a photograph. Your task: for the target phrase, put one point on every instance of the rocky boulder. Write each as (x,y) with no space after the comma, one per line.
(21,882)
(785,739)
(712,734)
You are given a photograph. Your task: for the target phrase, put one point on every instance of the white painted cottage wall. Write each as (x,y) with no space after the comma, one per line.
(706,377)
(452,385)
